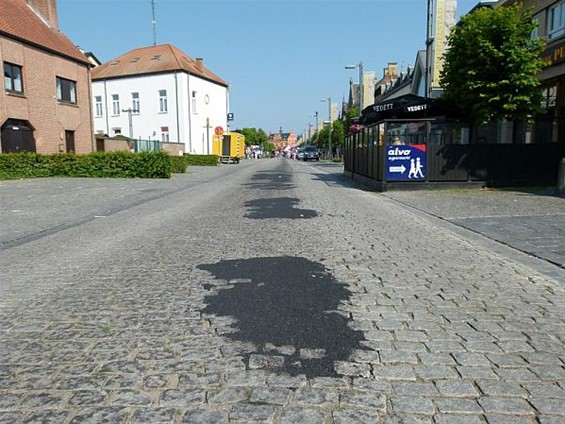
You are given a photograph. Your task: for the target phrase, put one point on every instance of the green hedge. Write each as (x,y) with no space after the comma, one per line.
(202,160)
(120,164)
(179,164)
(93,165)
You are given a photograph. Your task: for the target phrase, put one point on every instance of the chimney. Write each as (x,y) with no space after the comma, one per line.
(200,64)
(47,9)
(393,69)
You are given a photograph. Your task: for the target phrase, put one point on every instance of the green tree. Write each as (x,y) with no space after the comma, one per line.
(262,137)
(250,135)
(349,115)
(253,136)
(269,147)
(490,68)
(322,138)
(338,134)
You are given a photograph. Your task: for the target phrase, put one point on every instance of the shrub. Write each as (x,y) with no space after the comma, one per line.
(179,164)
(94,165)
(21,165)
(203,160)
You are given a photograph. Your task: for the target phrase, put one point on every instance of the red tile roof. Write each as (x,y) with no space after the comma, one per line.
(20,22)
(152,60)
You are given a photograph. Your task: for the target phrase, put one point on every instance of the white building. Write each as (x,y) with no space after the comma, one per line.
(160,93)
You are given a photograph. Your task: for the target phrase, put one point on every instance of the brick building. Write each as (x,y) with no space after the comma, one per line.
(45,105)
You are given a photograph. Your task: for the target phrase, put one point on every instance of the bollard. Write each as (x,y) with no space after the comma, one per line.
(560,190)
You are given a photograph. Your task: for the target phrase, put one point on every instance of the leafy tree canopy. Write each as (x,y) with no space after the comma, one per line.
(338,134)
(490,68)
(349,116)
(253,136)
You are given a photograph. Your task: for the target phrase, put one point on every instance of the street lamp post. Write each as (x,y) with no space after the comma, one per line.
(130,111)
(361,89)
(317,125)
(429,42)
(329,100)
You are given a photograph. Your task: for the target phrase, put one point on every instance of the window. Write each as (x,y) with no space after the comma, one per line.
(135,102)
(194,102)
(98,106)
(163,101)
(556,20)
(66,90)
(13,77)
(549,97)
(165,134)
(115,104)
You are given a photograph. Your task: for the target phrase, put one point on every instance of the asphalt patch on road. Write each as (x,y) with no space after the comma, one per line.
(287,307)
(277,207)
(271,181)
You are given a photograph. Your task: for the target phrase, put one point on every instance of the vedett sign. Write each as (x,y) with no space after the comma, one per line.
(406,163)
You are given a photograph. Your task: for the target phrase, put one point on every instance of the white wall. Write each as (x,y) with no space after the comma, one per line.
(185,124)
(212,105)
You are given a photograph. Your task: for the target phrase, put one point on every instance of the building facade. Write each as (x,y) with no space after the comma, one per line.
(45,102)
(550,17)
(159,93)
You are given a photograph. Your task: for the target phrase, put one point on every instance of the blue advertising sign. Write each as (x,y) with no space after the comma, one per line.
(406,163)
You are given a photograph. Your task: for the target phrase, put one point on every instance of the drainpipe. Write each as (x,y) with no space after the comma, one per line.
(92,138)
(107,110)
(188,99)
(177,105)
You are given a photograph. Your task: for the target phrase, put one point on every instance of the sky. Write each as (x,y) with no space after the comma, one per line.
(280,57)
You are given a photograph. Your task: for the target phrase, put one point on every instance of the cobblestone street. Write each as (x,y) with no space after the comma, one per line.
(276,291)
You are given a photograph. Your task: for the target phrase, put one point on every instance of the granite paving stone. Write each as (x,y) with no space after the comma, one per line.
(276,291)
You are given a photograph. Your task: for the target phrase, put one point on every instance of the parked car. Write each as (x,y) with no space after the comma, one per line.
(311,153)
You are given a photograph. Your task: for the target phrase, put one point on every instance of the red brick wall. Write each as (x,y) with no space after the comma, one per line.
(39,105)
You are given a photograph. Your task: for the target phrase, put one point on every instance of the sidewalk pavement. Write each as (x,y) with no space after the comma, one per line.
(528,223)
(531,221)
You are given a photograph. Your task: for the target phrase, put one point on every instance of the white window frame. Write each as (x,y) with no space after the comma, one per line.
(556,20)
(135,105)
(194,103)
(165,134)
(163,105)
(99,110)
(115,105)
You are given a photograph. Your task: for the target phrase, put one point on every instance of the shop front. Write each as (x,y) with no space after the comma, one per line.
(413,142)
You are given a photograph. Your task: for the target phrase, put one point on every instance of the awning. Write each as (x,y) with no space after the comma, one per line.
(408,106)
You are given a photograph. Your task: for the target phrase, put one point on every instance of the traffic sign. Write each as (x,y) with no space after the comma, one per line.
(219,131)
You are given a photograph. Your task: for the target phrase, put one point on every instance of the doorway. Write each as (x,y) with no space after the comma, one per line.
(70,141)
(17,136)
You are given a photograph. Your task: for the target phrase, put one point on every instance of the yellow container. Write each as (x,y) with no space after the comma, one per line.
(232,148)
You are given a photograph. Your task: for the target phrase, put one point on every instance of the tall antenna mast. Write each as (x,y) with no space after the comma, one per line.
(154,22)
